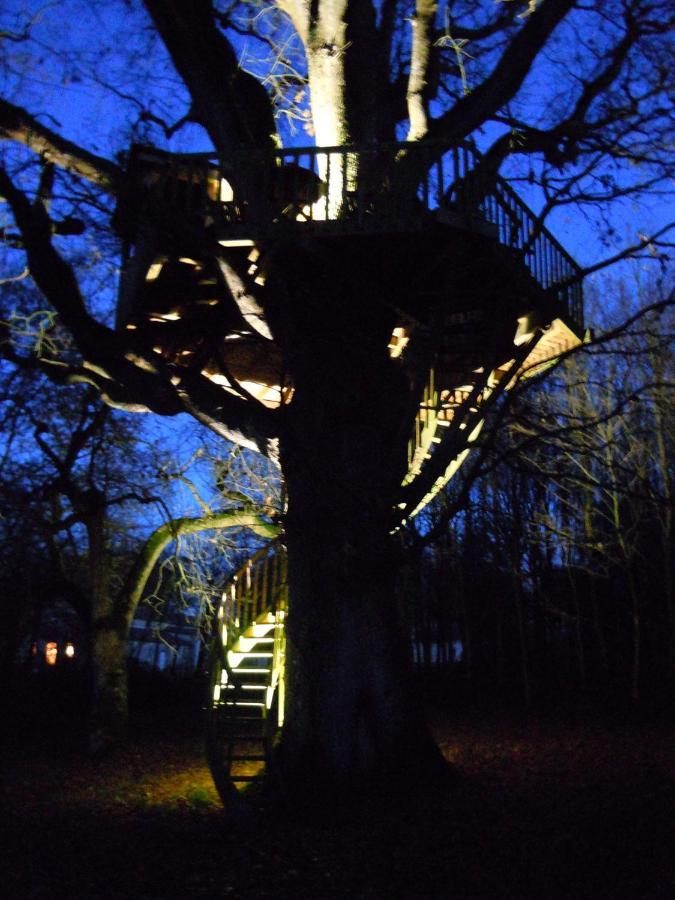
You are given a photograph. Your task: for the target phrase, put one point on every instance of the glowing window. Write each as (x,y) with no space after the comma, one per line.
(51,653)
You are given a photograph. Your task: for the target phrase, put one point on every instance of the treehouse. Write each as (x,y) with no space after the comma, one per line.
(478,295)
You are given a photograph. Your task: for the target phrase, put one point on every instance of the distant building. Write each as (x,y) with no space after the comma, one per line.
(170,642)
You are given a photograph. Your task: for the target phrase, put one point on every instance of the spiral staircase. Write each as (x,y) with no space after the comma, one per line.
(245,704)
(197,257)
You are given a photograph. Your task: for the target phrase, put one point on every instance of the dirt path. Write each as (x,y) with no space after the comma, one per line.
(537,809)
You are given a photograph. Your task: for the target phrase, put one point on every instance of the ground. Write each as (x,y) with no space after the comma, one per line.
(580,805)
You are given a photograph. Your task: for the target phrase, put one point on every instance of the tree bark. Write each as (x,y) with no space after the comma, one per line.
(109,708)
(352,720)
(110,711)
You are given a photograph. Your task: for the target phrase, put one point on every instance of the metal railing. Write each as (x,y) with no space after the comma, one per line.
(402,186)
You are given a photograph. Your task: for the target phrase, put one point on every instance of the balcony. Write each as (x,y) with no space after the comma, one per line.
(334,191)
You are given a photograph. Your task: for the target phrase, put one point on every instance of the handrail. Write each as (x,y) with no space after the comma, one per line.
(258,586)
(350,189)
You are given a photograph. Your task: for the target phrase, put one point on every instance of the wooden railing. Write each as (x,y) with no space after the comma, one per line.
(259,586)
(384,187)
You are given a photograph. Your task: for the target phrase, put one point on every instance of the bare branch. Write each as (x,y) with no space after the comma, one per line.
(18,125)
(646,241)
(166,534)
(507,77)
(124,376)
(232,105)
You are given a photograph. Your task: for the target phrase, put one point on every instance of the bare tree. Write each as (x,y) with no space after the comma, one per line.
(590,480)
(70,467)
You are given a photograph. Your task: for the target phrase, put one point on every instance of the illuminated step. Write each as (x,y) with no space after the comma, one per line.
(246,703)
(235,657)
(253,687)
(245,670)
(244,644)
(259,630)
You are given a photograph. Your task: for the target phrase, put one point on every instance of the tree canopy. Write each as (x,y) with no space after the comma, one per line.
(574,93)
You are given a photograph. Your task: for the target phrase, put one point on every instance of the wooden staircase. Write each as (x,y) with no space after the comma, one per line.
(245,705)
(453,409)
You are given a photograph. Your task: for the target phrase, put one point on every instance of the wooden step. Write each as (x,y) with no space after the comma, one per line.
(260,630)
(244,643)
(245,703)
(255,671)
(235,657)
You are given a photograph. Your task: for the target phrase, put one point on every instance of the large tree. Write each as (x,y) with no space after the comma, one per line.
(569,94)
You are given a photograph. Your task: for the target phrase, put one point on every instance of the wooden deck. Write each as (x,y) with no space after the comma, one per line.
(323,191)
(458,259)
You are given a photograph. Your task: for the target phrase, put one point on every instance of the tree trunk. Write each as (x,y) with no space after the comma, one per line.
(352,720)
(109,709)
(109,720)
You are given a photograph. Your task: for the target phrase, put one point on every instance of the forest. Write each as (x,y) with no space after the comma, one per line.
(554,572)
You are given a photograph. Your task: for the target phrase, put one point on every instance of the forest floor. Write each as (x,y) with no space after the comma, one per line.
(575,806)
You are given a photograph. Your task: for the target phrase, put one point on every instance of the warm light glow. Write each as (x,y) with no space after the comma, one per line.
(154,270)
(318,210)
(304,214)
(70,650)
(525,331)
(226,192)
(51,653)
(476,431)
(216,378)
(397,344)
(236,242)
(268,394)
